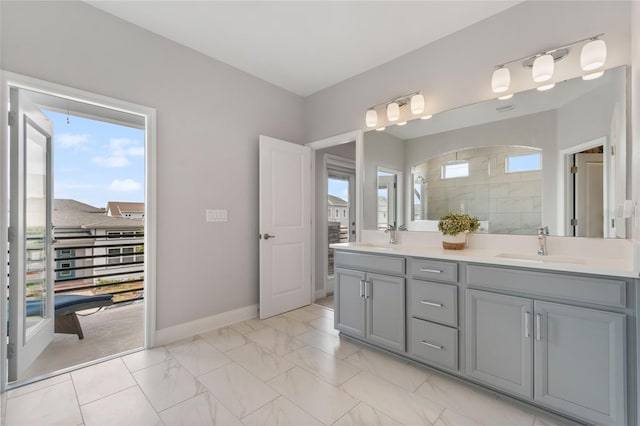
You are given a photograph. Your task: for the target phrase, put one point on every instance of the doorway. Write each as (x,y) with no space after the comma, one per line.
(62,253)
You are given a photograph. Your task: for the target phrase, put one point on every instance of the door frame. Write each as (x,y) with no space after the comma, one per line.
(343,138)
(329,160)
(10,79)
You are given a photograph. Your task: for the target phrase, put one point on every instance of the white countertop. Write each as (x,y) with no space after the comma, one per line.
(584,265)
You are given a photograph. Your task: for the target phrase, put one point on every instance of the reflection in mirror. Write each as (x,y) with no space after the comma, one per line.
(516,164)
(500,185)
(388,198)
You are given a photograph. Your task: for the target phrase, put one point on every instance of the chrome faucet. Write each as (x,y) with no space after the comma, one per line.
(543,231)
(391,230)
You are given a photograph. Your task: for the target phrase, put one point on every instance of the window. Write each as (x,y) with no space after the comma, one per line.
(329,214)
(337,213)
(129,252)
(523,163)
(113,260)
(455,169)
(63,266)
(344,212)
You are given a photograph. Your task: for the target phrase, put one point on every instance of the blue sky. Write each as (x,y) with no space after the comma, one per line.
(339,188)
(96,162)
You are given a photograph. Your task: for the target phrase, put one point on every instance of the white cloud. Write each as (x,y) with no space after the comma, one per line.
(111,162)
(69,140)
(124,147)
(125,185)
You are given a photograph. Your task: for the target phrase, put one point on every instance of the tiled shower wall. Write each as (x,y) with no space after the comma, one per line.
(510,202)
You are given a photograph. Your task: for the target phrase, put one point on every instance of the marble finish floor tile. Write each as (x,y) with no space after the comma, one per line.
(202,409)
(102,379)
(51,405)
(392,400)
(238,390)
(395,370)
(362,414)
(198,356)
(324,324)
(301,315)
(287,325)
(329,343)
(281,412)
(275,341)
(248,326)
(327,367)
(167,384)
(147,358)
(474,403)
(453,418)
(260,362)
(128,407)
(41,384)
(317,397)
(543,420)
(225,339)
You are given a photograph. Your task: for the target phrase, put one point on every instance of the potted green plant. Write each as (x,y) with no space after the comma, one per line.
(454,228)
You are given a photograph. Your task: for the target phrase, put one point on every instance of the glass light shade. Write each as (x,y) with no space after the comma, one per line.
(593,55)
(380,129)
(500,80)
(426,117)
(543,68)
(593,75)
(546,87)
(417,104)
(393,111)
(371,118)
(505,97)
(402,124)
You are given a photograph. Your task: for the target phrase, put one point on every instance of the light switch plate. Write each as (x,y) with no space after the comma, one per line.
(217,216)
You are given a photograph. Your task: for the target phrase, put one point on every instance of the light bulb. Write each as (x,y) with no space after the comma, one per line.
(500,80)
(542,68)
(371,118)
(593,55)
(393,111)
(417,104)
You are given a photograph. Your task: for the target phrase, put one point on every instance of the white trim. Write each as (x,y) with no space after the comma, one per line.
(202,325)
(24,82)
(357,136)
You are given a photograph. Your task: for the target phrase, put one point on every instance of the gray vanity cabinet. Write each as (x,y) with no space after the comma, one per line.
(579,358)
(499,342)
(564,357)
(370,304)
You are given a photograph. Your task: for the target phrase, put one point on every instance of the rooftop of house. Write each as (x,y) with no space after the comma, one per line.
(337,201)
(75,214)
(118,208)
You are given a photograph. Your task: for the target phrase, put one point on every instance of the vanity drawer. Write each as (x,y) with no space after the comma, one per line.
(434,343)
(434,302)
(434,270)
(580,288)
(369,262)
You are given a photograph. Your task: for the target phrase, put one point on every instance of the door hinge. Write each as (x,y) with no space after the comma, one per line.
(574,222)
(574,170)
(12,118)
(613,150)
(613,223)
(11,350)
(11,234)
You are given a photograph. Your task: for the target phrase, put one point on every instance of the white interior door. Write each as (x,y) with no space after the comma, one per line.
(285,226)
(31,309)
(590,196)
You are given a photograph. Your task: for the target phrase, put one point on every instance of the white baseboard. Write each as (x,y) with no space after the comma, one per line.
(320,294)
(191,328)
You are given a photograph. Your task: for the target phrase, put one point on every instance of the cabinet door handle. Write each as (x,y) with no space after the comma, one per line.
(431,345)
(367,289)
(433,271)
(437,305)
(527,332)
(361,288)
(538,327)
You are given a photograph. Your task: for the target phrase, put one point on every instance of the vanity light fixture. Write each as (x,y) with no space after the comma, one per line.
(380,129)
(426,117)
(545,87)
(505,97)
(393,107)
(402,124)
(592,57)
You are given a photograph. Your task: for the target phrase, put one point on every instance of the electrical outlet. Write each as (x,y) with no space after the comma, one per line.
(217,216)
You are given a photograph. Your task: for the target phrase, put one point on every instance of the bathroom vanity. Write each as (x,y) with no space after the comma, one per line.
(558,333)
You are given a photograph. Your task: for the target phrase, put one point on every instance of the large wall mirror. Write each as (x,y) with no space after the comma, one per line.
(555,158)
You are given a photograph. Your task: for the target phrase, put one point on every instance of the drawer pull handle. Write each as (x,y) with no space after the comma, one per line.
(437,305)
(527,333)
(538,327)
(361,288)
(433,271)
(431,345)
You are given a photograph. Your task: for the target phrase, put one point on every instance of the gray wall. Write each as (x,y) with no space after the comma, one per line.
(207,140)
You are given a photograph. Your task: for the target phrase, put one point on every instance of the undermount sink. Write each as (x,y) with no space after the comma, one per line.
(540,259)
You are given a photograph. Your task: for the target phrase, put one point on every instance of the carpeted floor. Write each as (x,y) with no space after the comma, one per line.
(108,332)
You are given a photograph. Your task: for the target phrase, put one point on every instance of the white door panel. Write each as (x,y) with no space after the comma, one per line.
(285,226)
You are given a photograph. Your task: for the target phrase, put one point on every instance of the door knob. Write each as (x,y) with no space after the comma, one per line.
(267,236)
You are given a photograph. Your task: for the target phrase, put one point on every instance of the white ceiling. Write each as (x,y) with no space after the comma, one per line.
(304,46)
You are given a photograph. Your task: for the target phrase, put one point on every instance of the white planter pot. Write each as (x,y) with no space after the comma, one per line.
(454,242)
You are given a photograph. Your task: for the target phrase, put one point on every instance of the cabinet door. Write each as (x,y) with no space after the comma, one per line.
(579,362)
(385,311)
(350,302)
(499,346)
